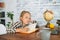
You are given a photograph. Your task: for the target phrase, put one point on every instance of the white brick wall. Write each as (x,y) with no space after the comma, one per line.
(35,7)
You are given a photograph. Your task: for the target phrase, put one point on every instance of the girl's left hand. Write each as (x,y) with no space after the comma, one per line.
(26,29)
(22,29)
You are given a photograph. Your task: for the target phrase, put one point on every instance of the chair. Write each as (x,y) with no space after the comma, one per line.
(2,29)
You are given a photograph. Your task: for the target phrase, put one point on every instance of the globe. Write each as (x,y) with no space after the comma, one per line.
(48,16)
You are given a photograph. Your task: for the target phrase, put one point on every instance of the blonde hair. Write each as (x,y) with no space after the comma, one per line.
(24,12)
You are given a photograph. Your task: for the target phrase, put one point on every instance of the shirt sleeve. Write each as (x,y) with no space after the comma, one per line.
(14,26)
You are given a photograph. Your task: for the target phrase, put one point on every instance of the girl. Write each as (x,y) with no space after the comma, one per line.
(25,18)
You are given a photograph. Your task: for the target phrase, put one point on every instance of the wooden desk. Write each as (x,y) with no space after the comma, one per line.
(32,36)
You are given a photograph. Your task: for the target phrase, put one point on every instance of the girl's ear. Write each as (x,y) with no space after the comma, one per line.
(20,18)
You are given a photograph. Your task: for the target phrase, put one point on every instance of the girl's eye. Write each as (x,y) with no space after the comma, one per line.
(29,18)
(26,17)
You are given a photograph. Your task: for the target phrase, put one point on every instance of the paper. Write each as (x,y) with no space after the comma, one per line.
(32,26)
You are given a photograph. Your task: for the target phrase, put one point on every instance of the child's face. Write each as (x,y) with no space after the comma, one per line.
(26,19)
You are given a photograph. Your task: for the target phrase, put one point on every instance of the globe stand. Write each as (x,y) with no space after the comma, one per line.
(48,16)
(47,25)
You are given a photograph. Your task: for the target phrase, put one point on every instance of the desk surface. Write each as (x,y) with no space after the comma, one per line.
(32,36)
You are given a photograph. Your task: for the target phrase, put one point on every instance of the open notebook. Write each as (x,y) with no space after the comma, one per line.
(32,28)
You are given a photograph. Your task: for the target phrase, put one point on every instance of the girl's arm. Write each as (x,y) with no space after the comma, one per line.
(22,30)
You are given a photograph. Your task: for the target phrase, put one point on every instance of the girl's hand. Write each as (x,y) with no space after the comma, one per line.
(22,29)
(18,30)
(26,29)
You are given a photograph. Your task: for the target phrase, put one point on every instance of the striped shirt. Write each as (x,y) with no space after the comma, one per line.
(19,25)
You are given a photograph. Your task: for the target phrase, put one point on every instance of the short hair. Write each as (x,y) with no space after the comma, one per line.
(24,12)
